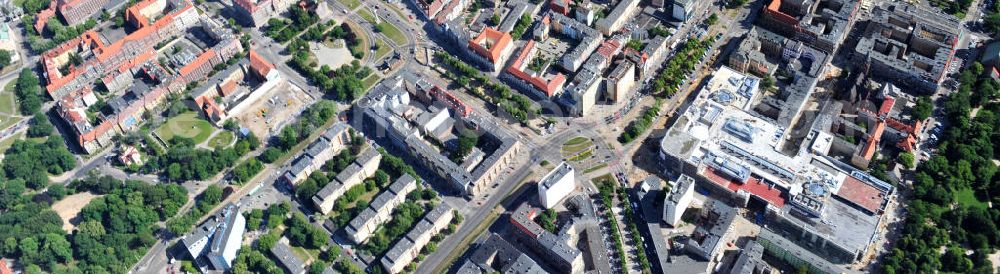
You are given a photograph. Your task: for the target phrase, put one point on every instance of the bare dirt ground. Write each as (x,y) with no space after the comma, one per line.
(68,207)
(282,103)
(334,57)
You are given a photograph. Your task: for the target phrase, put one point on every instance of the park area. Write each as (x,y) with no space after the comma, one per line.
(187,125)
(221,140)
(967,197)
(8,107)
(68,208)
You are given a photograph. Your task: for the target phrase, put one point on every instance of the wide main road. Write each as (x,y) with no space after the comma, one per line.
(474,220)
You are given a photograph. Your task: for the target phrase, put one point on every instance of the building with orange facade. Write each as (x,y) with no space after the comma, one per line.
(491,48)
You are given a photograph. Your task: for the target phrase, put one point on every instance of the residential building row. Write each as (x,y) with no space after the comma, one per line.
(624,11)
(287,259)
(910,44)
(407,248)
(363,167)
(388,115)
(324,148)
(822,24)
(762,52)
(378,211)
(258,12)
(491,48)
(73,12)
(557,250)
(523,78)
(498,255)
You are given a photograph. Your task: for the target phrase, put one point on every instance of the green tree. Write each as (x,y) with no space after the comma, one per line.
(41,126)
(32,269)
(495,19)
(317,267)
(267,241)
(992,22)
(4,58)
(27,90)
(188,267)
(906,159)
(56,191)
(634,44)
(466,142)
(212,195)
(767,82)
(712,19)
(923,108)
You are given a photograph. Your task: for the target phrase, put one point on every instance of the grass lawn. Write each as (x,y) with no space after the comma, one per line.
(576,141)
(7,104)
(383,49)
(367,197)
(367,15)
(604,179)
(362,39)
(6,143)
(967,197)
(370,81)
(222,139)
(351,4)
(188,125)
(7,121)
(576,145)
(595,168)
(393,33)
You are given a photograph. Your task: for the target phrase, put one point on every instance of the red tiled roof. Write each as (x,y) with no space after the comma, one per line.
(560,6)
(442,14)
(43,17)
(453,102)
(249,5)
(496,40)
(886,105)
(872,143)
(197,62)
(227,87)
(260,65)
(861,194)
(908,144)
(609,48)
(3,267)
(549,87)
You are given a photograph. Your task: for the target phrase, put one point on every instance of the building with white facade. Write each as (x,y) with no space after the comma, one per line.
(216,242)
(556,185)
(677,200)
(620,81)
(622,13)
